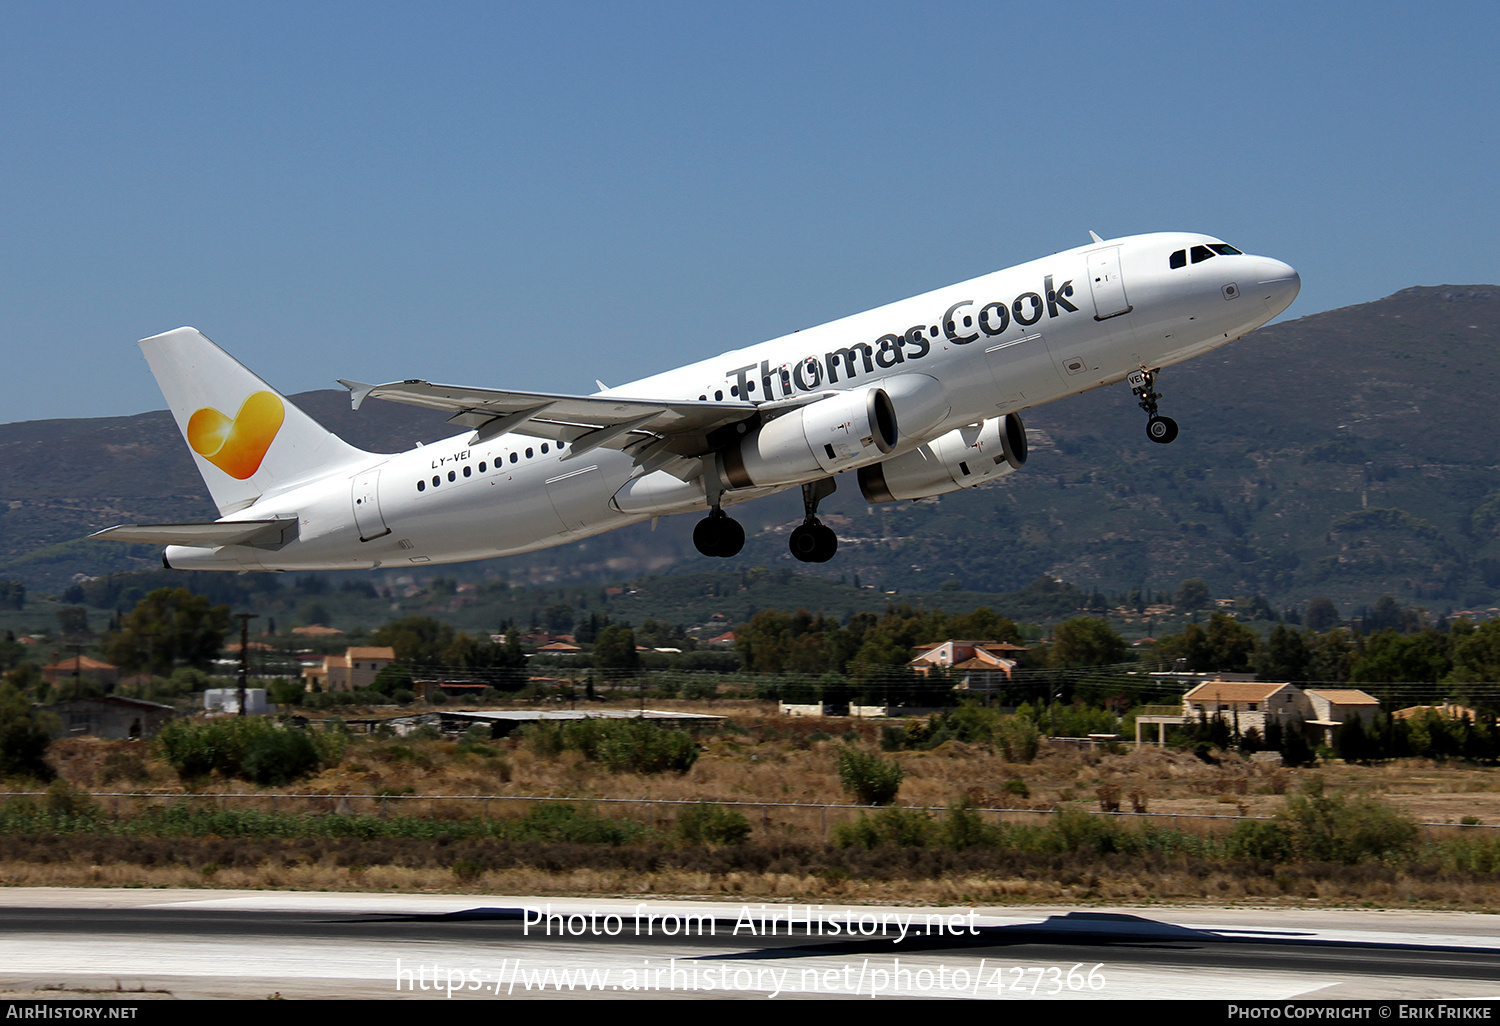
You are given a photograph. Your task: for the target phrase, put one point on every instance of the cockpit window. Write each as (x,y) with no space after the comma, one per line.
(1224,250)
(1179,259)
(1202,253)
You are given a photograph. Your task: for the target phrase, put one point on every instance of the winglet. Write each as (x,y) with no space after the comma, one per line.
(1094,235)
(358,391)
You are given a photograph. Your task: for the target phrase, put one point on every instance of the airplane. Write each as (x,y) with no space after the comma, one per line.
(917,398)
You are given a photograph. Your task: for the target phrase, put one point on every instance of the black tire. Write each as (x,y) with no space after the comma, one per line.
(708,535)
(731,538)
(828,543)
(1161,429)
(804,543)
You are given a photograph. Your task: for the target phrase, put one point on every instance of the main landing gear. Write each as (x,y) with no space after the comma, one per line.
(1143,387)
(719,534)
(813,541)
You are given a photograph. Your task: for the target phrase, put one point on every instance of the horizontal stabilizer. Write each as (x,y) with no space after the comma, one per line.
(261,534)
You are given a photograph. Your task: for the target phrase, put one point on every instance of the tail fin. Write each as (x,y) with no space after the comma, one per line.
(246,438)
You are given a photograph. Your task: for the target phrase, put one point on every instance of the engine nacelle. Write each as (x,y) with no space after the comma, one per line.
(962,458)
(844,430)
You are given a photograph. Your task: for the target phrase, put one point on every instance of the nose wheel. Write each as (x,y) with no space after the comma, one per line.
(814,541)
(1158,428)
(719,534)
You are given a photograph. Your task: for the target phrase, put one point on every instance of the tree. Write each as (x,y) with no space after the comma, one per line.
(23,737)
(1193,594)
(1086,641)
(417,640)
(615,649)
(1476,653)
(1230,644)
(1389,657)
(1285,656)
(169,626)
(1321,614)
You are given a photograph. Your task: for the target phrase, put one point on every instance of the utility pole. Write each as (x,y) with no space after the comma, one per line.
(245,619)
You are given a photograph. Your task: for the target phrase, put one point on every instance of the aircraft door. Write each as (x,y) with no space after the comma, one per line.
(366,500)
(1107,285)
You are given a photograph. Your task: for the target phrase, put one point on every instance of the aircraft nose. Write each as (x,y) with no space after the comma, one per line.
(1279,284)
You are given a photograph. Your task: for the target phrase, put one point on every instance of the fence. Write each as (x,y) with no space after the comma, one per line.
(771,818)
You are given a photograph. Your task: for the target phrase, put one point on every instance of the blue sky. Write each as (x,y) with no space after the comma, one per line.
(534,195)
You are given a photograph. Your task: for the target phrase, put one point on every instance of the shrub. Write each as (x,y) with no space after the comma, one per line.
(963,828)
(897,828)
(63,800)
(276,757)
(1261,841)
(565,822)
(1333,828)
(1019,739)
(624,746)
(248,747)
(868,778)
(706,823)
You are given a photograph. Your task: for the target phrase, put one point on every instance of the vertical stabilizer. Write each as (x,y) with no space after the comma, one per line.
(246,438)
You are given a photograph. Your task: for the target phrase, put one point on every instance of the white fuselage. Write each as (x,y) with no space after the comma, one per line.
(997,344)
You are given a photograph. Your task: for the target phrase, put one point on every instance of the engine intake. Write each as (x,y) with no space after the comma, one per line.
(962,458)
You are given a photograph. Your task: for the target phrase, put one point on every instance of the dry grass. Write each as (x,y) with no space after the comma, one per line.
(1029,881)
(765,758)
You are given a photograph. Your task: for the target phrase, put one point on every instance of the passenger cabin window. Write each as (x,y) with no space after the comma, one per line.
(514,457)
(1179,259)
(544,447)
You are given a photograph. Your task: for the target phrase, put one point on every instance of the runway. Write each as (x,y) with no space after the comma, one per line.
(250,944)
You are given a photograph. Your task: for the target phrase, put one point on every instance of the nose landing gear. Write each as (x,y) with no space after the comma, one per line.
(1158,428)
(814,541)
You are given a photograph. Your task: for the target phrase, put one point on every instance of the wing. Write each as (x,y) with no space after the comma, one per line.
(653,431)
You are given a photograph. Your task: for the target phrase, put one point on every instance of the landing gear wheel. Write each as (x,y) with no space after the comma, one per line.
(813,543)
(732,540)
(828,543)
(1161,429)
(719,535)
(804,543)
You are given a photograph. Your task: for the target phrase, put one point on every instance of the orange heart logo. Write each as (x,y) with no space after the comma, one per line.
(237,446)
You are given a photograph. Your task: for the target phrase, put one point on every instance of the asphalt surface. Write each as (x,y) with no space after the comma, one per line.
(197,944)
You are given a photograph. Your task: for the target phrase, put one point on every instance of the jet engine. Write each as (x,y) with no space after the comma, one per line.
(962,458)
(833,434)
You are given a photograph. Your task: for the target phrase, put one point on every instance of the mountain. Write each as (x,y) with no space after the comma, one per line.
(1351,453)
